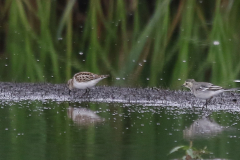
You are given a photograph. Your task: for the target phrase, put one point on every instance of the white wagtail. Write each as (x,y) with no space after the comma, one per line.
(205,90)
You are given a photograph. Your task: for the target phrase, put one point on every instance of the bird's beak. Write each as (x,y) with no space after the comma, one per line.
(183,85)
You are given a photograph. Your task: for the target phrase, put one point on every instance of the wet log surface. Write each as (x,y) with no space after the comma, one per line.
(110,94)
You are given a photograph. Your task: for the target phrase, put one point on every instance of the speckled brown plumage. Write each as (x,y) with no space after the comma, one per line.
(87,76)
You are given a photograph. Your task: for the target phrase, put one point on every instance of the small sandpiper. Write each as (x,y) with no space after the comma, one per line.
(84,80)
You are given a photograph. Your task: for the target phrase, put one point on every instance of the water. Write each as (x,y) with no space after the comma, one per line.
(62,130)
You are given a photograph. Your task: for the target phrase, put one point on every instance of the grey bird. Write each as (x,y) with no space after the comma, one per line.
(205,90)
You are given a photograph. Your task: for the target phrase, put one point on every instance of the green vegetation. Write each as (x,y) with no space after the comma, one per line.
(191,153)
(135,40)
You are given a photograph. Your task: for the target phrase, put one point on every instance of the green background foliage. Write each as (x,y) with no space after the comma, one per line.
(149,43)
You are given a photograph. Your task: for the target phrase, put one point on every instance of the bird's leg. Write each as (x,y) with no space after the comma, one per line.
(86,92)
(205,105)
(70,93)
(207,101)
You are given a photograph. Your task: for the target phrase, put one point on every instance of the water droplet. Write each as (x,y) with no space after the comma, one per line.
(216,42)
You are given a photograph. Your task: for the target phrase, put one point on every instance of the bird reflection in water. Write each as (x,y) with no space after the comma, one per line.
(203,128)
(83,116)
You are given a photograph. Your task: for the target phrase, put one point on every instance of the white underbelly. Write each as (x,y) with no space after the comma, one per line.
(207,94)
(85,85)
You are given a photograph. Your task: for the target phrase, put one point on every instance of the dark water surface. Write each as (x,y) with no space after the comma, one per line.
(54,130)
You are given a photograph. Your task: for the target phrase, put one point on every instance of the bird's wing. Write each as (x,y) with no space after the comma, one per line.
(208,87)
(215,88)
(85,76)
